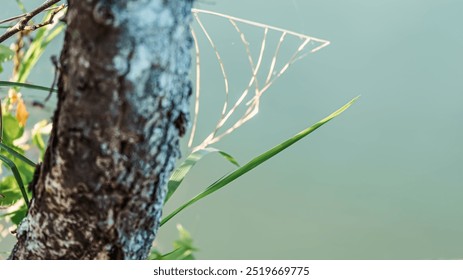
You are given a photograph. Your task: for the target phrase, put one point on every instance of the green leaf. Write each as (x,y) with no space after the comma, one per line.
(228,157)
(21,6)
(5,55)
(17,177)
(18,215)
(17,154)
(179,174)
(257,161)
(37,140)
(11,129)
(185,240)
(40,128)
(26,85)
(9,191)
(183,248)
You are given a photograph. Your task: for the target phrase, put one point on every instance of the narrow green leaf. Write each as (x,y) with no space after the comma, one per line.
(31,56)
(52,35)
(177,254)
(26,85)
(21,6)
(179,174)
(42,38)
(228,157)
(38,131)
(257,161)
(17,176)
(16,154)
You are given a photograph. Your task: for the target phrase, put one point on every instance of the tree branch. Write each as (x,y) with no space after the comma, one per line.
(22,23)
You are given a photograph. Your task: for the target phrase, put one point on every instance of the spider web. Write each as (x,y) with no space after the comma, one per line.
(264,60)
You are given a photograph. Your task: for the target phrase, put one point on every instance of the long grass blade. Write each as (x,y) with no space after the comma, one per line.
(17,155)
(26,85)
(17,177)
(257,161)
(177,254)
(179,174)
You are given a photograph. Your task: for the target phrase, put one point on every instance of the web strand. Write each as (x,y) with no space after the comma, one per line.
(307,45)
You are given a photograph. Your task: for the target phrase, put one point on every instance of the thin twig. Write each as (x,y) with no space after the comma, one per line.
(12,18)
(47,22)
(22,15)
(22,23)
(55,62)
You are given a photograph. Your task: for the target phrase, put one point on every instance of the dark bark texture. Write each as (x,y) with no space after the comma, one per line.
(122,106)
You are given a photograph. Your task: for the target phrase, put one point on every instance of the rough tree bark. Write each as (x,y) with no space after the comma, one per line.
(122,106)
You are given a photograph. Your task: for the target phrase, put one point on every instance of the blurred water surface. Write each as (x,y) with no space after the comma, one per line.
(383,181)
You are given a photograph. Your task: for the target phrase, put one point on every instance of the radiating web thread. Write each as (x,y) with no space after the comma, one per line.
(306,45)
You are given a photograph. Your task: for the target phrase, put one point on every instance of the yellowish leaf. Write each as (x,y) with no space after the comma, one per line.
(21,113)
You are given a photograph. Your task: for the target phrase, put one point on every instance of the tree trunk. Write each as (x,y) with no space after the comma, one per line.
(122,106)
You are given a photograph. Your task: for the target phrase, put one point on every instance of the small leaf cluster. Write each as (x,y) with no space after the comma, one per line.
(16,140)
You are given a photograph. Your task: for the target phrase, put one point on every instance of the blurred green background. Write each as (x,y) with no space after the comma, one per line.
(382,181)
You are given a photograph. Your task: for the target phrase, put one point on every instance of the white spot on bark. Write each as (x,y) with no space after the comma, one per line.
(23,227)
(84,62)
(51,186)
(164,79)
(33,246)
(110,220)
(102,256)
(120,64)
(179,33)
(165,103)
(140,64)
(166,19)
(156,5)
